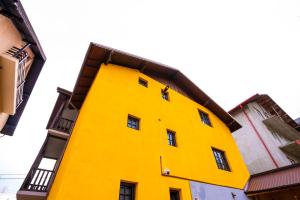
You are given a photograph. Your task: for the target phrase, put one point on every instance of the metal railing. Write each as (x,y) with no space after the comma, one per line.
(64,125)
(19,98)
(38,180)
(22,56)
(21,73)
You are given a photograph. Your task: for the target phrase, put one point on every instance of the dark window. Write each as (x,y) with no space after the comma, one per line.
(143,82)
(171,138)
(221,159)
(127,191)
(165,95)
(133,122)
(204,118)
(174,195)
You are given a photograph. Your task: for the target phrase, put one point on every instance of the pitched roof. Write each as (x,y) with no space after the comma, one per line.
(275,179)
(269,105)
(97,54)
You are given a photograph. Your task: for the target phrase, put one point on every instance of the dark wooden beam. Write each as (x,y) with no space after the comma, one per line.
(142,66)
(108,59)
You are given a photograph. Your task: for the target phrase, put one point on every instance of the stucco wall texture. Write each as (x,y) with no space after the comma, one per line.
(103,151)
(254,153)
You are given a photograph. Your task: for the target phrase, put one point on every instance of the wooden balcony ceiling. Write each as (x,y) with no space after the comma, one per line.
(274,109)
(98,54)
(270,106)
(292,148)
(281,127)
(54,147)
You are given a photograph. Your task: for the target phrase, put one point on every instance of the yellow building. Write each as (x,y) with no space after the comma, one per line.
(21,60)
(136,129)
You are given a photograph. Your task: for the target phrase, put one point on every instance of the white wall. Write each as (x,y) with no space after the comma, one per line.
(254,153)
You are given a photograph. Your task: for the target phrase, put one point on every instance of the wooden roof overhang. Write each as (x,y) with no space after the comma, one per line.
(16,13)
(271,107)
(98,54)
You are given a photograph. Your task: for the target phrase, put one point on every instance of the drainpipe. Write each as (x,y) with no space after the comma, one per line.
(259,136)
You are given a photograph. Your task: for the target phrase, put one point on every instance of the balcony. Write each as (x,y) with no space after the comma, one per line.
(62,127)
(292,148)
(282,128)
(37,186)
(38,181)
(12,78)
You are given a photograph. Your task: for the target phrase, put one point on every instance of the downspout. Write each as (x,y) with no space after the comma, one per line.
(259,136)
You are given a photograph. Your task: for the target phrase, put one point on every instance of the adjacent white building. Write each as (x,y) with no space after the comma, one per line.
(269,137)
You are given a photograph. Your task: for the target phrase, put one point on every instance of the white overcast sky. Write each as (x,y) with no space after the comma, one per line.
(231,49)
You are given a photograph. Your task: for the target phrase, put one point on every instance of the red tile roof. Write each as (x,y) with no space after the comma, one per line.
(283,177)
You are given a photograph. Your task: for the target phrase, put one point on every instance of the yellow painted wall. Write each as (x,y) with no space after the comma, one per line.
(103,151)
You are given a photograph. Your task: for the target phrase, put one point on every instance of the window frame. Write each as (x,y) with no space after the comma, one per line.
(205,119)
(133,118)
(143,82)
(221,159)
(165,95)
(177,191)
(173,140)
(132,187)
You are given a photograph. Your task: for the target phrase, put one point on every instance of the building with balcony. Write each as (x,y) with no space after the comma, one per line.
(136,129)
(269,141)
(21,60)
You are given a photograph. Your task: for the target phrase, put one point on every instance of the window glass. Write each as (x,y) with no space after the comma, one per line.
(126,191)
(171,138)
(165,95)
(143,82)
(204,118)
(133,122)
(174,195)
(221,159)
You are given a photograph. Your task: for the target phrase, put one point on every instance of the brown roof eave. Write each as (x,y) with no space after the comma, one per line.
(253,193)
(107,54)
(203,99)
(250,99)
(15,11)
(266,101)
(81,70)
(22,23)
(30,29)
